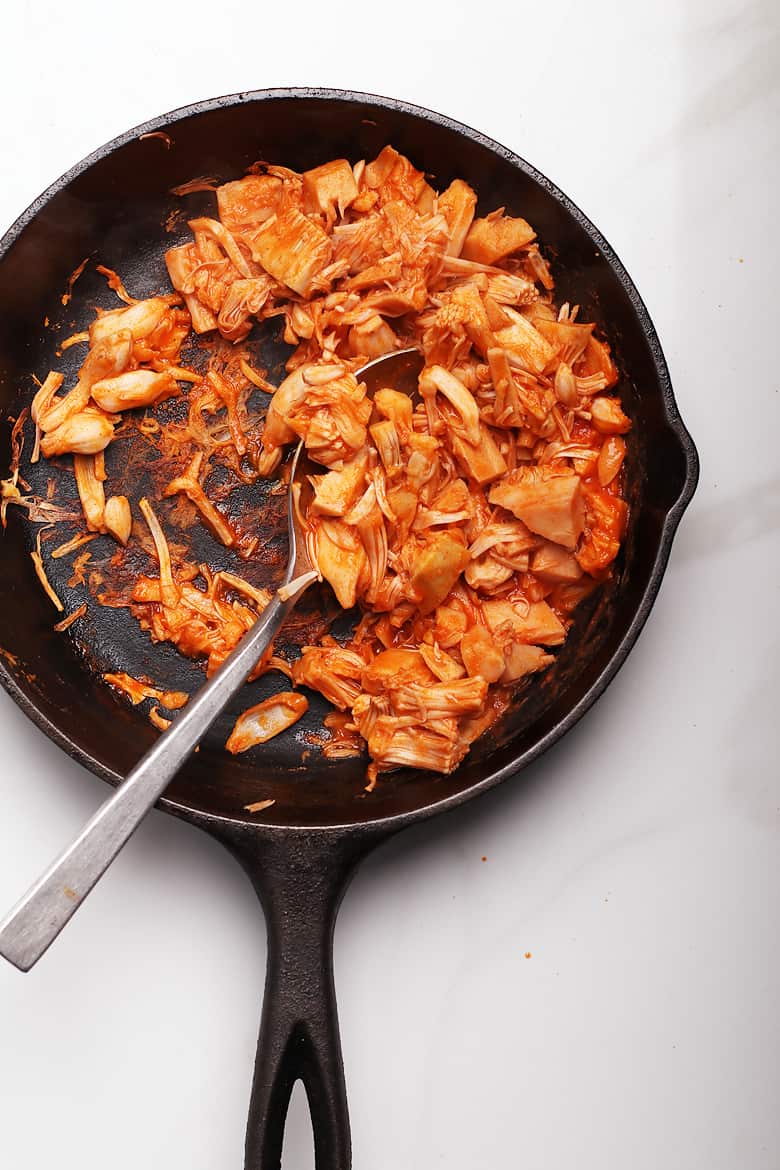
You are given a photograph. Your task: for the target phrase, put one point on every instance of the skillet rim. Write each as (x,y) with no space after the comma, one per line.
(663,384)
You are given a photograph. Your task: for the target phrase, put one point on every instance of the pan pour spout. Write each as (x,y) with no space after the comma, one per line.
(36,921)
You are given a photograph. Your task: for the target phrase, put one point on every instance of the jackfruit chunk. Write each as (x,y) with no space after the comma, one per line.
(554,564)
(548,502)
(457,205)
(292,248)
(329,187)
(533,624)
(436,569)
(491,239)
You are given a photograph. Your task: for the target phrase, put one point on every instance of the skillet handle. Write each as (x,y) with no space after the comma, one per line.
(300,878)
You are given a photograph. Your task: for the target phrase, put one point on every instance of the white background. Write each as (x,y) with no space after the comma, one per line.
(638,861)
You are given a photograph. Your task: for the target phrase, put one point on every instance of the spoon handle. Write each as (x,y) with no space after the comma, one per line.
(38,918)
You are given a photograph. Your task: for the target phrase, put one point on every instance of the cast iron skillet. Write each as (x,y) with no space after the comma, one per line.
(301,852)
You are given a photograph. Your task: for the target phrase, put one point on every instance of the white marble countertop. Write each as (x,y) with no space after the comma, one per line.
(637,861)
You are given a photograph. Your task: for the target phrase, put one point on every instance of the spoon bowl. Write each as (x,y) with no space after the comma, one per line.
(397,371)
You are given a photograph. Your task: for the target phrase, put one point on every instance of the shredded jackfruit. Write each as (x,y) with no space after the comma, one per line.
(466,522)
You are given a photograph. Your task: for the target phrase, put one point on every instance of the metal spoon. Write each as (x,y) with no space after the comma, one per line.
(39,917)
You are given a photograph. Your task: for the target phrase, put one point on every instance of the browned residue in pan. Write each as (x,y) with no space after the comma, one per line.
(116,284)
(67,622)
(166,139)
(75,274)
(174,220)
(201,183)
(258,806)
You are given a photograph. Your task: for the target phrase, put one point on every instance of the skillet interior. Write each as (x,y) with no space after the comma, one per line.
(112,209)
